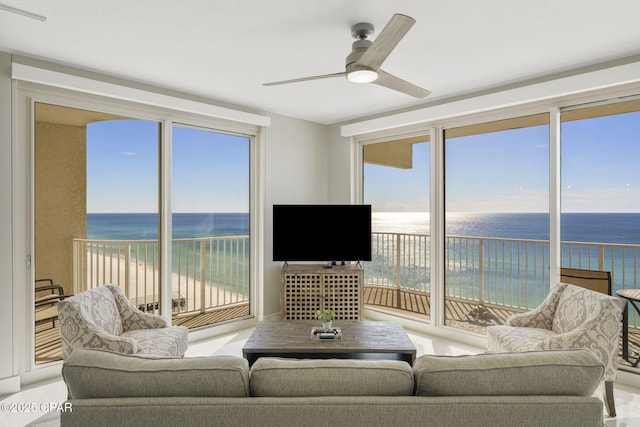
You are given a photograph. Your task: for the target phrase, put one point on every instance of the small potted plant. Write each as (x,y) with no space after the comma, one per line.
(326,316)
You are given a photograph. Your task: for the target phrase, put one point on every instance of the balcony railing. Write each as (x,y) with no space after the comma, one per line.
(214,272)
(512,273)
(207,273)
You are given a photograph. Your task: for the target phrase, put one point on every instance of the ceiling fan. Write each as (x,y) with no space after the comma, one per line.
(363,64)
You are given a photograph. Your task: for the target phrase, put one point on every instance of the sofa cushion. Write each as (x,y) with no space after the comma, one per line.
(330,377)
(557,372)
(92,373)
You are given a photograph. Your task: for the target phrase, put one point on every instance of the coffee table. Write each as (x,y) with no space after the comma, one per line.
(360,340)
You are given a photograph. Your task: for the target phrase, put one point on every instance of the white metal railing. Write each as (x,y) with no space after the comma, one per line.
(206,272)
(214,272)
(508,272)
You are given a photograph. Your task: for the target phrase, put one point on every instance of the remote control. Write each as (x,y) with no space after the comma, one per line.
(326,336)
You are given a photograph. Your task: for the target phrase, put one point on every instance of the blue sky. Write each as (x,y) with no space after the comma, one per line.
(508,171)
(600,159)
(503,171)
(210,171)
(389,189)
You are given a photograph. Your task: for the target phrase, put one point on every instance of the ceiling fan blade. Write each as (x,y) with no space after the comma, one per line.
(387,40)
(304,79)
(23,12)
(392,82)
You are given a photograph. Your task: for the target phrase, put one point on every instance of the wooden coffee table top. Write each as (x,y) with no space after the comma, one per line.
(283,337)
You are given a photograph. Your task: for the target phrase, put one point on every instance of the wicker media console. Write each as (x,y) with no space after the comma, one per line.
(307,288)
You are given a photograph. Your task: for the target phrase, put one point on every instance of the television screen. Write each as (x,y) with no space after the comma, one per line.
(322,233)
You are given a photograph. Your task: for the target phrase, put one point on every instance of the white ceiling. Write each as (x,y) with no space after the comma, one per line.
(225,50)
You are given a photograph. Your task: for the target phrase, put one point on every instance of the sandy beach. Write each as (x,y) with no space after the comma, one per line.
(140,282)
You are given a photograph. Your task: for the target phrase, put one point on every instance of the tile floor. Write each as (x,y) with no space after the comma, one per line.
(627,397)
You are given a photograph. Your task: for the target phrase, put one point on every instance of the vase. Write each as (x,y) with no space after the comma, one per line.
(326,326)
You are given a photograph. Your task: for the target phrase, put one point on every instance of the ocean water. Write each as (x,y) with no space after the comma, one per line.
(499,274)
(144,226)
(505,271)
(227,260)
(618,228)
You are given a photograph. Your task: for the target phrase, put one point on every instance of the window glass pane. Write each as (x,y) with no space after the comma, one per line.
(210,223)
(600,195)
(496,220)
(396,185)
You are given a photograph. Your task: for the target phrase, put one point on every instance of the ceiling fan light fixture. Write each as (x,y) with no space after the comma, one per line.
(362,76)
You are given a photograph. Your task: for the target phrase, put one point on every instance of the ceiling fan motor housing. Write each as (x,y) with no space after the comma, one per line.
(357,49)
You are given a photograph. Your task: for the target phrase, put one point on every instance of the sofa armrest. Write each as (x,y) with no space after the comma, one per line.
(132,318)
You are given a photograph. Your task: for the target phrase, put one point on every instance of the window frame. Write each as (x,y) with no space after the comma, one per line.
(553,106)
(27,94)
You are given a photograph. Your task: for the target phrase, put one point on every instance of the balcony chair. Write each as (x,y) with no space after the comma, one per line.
(47,296)
(596,280)
(104,318)
(569,317)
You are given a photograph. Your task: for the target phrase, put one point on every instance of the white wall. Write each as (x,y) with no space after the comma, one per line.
(340,163)
(6,260)
(296,173)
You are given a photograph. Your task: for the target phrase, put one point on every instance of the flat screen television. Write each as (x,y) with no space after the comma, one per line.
(322,233)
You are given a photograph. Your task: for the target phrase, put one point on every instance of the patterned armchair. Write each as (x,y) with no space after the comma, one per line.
(104,318)
(569,317)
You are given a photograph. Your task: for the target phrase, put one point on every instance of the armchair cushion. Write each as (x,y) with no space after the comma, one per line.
(503,338)
(170,341)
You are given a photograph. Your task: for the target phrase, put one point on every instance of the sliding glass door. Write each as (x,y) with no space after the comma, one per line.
(496,220)
(95,202)
(396,184)
(600,196)
(210,225)
(97,217)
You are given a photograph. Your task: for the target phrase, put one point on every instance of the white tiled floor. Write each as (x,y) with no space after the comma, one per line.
(627,398)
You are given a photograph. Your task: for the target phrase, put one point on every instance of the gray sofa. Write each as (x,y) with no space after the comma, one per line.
(537,389)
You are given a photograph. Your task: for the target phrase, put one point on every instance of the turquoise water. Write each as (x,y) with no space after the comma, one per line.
(505,280)
(221,256)
(612,228)
(622,228)
(143,226)
(522,284)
